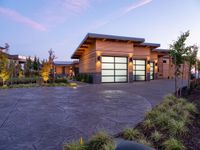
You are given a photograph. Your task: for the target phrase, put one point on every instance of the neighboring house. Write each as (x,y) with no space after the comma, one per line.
(111,58)
(66,68)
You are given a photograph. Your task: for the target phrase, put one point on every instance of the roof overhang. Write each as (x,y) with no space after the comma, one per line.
(161,50)
(91,37)
(149,45)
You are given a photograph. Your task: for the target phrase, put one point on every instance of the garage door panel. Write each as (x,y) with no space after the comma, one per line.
(120,79)
(120,66)
(107,66)
(107,72)
(121,72)
(120,59)
(107,79)
(107,59)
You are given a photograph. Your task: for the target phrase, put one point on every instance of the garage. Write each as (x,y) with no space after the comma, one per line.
(114,69)
(139,70)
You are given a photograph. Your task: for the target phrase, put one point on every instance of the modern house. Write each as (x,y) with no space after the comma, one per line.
(66,68)
(109,58)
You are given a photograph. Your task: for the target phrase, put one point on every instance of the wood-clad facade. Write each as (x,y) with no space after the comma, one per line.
(122,59)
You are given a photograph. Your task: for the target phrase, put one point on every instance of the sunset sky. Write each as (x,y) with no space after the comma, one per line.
(32,27)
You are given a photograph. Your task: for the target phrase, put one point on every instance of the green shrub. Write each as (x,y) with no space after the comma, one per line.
(156,136)
(131,134)
(163,120)
(153,114)
(109,146)
(173,144)
(191,107)
(177,128)
(100,141)
(147,124)
(74,146)
(61,80)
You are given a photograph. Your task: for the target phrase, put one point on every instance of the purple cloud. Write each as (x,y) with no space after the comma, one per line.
(16,16)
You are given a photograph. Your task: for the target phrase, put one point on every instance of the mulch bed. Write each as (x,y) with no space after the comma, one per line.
(192,139)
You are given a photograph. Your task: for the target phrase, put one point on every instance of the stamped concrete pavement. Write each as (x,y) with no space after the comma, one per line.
(45,118)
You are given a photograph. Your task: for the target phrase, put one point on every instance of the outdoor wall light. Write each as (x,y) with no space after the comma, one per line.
(130,59)
(99,58)
(156,64)
(148,62)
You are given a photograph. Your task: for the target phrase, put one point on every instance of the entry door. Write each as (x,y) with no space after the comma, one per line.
(139,70)
(151,70)
(114,69)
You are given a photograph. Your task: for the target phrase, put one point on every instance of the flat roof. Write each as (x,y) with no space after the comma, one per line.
(161,50)
(62,63)
(102,36)
(90,37)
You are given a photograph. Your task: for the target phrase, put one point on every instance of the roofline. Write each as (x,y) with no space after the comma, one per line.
(155,45)
(104,36)
(160,50)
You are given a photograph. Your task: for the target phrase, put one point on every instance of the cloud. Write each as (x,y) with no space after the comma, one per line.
(75,6)
(136,5)
(16,16)
(118,14)
(58,11)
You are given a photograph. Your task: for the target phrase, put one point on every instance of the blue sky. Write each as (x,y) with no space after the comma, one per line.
(33,27)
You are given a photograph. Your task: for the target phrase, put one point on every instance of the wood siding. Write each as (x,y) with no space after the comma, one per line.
(87,60)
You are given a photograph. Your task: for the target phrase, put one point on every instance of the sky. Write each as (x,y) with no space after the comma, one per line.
(32,27)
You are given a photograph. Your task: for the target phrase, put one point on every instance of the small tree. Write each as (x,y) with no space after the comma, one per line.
(4,71)
(177,52)
(28,67)
(191,59)
(198,67)
(51,60)
(45,71)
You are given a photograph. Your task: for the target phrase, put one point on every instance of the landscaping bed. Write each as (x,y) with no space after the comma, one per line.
(171,125)
(192,139)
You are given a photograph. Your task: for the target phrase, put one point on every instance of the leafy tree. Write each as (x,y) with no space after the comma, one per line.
(191,59)
(45,71)
(4,70)
(177,52)
(198,67)
(51,60)
(28,67)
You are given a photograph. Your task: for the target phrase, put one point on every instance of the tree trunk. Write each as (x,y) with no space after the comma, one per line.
(189,76)
(176,87)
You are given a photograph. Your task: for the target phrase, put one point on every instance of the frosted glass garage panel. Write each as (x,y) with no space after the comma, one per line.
(120,59)
(140,67)
(139,72)
(107,72)
(140,62)
(138,78)
(120,66)
(121,79)
(107,79)
(120,72)
(107,59)
(107,66)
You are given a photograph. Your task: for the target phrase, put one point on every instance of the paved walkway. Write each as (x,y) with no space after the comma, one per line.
(44,118)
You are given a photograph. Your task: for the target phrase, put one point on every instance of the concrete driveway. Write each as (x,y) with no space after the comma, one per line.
(44,118)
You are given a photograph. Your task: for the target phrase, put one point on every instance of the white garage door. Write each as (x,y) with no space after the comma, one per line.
(139,70)
(114,69)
